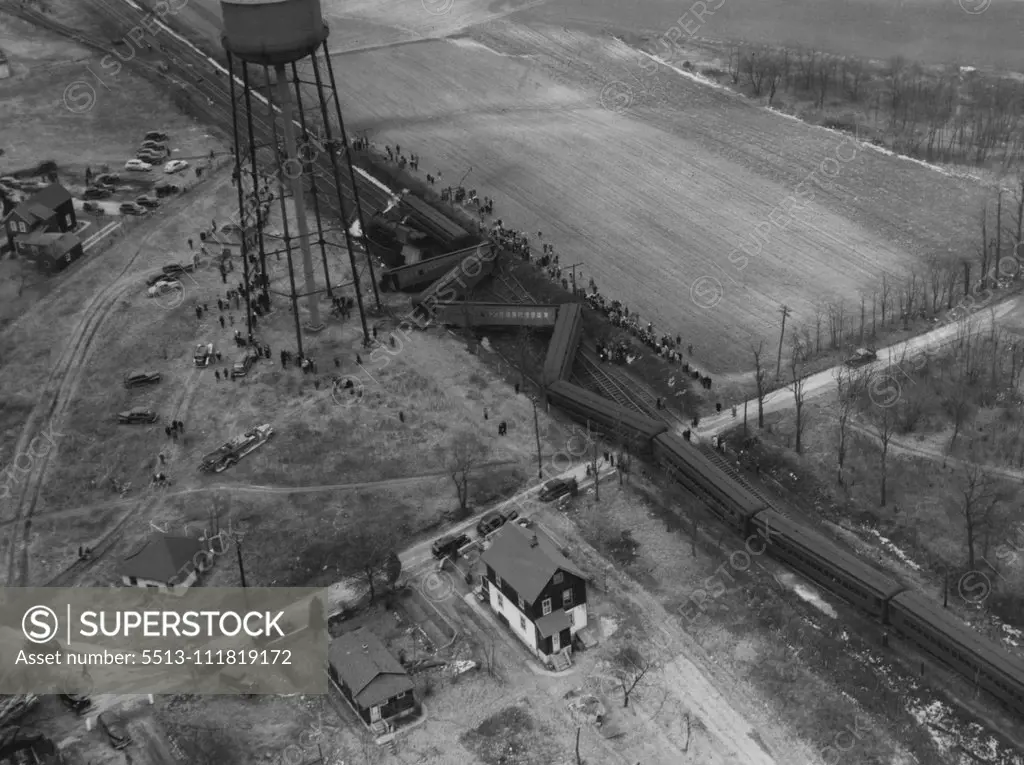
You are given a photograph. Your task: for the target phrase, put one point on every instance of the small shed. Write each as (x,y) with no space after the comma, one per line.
(166,562)
(370,677)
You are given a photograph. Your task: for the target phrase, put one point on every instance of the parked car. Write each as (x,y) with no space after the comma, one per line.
(861,357)
(448,547)
(137,165)
(115,731)
(77,703)
(108,178)
(136,415)
(10,180)
(163,287)
(173,269)
(158,277)
(558,488)
(150,157)
(155,145)
(146,201)
(130,208)
(92,207)
(204,355)
(490,523)
(137,378)
(166,189)
(244,364)
(32,186)
(175,166)
(156,135)
(94,192)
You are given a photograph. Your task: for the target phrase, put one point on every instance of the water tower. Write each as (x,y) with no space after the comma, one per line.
(289,144)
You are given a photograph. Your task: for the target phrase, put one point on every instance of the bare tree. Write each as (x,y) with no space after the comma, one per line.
(465,453)
(594,465)
(761,380)
(849,387)
(633,667)
(797,387)
(370,549)
(885,426)
(981,495)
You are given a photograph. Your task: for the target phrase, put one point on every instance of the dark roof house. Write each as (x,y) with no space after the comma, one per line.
(536,591)
(164,560)
(369,670)
(50,209)
(526,567)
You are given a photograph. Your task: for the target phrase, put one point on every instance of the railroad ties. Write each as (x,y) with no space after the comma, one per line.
(727,467)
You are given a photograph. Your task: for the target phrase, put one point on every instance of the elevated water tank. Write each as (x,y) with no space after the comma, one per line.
(271,32)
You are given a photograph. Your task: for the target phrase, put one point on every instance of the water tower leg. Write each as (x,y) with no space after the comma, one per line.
(293,171)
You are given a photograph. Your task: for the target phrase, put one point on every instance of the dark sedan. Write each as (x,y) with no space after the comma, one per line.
(96,192)
(243,365)
(135,379)
(448,547)
(137,415)
(178,268)
(115,731)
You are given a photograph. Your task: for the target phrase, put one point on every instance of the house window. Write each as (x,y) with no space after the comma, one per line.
(572,618)
(545,607)
(522,605)
(557,578)
(501,602)
(522,622)
(497,581)
(566,598)
(400,695)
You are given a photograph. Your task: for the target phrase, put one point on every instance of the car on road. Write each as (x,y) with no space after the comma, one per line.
(175,166)
(861,357)
(96,192)
(557,488)
(449,546)
(115,730)
(148,202)
(137,415)
(174,269)
(242,366)
(131,208)
(156,135)
(164,287)
(107,178)
(137,165)
(76,702)
(490,523)
(203,355)
(137,378)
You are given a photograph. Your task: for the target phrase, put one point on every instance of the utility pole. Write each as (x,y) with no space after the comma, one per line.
(573,267)
(744,420)
(241,568)
(782,336)
(536,432)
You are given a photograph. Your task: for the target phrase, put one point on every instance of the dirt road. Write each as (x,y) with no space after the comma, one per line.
(61,385)
(888,375)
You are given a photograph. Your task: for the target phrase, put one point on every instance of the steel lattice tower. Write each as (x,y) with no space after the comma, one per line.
(290,144)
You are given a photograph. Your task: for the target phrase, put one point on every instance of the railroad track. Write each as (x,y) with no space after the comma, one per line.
(514,291)
(606,386)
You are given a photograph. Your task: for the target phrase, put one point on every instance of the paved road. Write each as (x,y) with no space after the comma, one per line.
(886,383)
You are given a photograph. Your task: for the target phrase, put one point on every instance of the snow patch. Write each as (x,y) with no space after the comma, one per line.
(895,550)
(806,593)
(608,626)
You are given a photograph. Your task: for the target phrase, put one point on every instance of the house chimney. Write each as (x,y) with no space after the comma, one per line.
(533,541)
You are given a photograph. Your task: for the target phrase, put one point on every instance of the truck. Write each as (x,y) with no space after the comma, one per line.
(232,451)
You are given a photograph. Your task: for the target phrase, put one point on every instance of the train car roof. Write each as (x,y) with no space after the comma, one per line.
(697,462)
(641,422)
(950,624)
(432,260)
(498,306)
(828,550)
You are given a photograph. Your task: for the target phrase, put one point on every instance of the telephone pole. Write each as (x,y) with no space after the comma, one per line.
(573,267)
(782,336)
(536,432)
(241,568)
